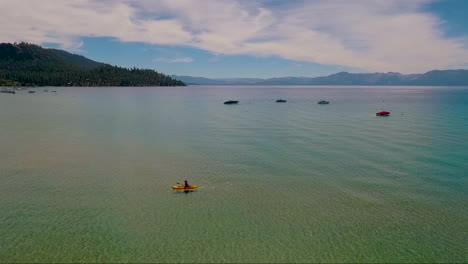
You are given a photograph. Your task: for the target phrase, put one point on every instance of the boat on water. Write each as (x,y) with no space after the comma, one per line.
(182,188)
(7,91)
(383,113)
(231,102)
(323,102)
(281,101)
(186,187)
(31,92)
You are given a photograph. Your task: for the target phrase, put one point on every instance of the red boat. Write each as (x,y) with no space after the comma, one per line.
(383,113)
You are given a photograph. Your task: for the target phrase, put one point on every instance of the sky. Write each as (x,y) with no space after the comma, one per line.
(249,38)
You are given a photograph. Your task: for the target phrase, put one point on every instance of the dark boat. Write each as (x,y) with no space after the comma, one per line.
(323,102)
(7,91)
(383,113)
(31,91)
(231,102)
(281,101)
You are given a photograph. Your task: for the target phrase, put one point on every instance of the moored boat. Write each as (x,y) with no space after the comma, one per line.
(7,91)
(383,113)
(323,102)
(281,101)
(231,102)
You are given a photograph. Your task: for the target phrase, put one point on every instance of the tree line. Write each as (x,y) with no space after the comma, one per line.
(31,65)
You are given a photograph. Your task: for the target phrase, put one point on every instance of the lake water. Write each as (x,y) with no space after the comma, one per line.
(86,175)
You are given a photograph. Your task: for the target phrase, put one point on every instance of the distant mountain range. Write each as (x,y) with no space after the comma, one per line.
(431,78)
(24,64)
(31,65)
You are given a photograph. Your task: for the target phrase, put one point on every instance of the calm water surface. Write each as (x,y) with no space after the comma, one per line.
(85,175)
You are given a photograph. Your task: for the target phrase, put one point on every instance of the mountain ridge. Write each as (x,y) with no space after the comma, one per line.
(431,78)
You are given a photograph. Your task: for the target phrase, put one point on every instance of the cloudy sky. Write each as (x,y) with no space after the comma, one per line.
(249,38)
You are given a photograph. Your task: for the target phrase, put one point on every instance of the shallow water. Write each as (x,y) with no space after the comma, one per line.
(85,175)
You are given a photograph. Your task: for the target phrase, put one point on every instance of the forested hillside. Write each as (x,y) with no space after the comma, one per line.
(31,65)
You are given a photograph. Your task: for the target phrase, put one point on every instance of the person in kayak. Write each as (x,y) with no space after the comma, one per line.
(186,184)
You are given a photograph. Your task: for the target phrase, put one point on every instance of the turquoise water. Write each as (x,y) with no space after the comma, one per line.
(85,175)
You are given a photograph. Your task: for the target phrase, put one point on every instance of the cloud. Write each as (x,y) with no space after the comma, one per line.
(378,35)
(176,59)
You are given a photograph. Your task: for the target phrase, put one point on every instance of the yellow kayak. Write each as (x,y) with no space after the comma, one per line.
(183,188)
